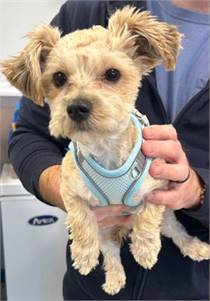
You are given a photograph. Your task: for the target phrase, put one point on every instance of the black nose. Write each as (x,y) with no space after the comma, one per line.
(79,111)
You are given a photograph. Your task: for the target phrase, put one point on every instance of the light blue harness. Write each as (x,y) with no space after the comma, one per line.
(117,186)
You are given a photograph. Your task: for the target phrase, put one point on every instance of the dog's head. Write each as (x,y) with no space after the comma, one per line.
(90,78)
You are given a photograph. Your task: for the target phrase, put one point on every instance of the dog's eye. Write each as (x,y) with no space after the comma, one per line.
(112,75)
(59,79)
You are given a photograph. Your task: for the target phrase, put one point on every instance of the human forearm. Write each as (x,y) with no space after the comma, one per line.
(49,186)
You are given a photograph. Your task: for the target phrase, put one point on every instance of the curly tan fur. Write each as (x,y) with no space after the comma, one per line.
(134,43)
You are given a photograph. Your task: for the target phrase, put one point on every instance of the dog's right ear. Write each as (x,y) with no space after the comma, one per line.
(24,70)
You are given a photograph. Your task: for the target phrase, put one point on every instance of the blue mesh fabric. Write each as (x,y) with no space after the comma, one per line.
(114,188)
(118,187)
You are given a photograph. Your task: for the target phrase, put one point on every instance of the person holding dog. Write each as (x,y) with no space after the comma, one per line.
(176,104)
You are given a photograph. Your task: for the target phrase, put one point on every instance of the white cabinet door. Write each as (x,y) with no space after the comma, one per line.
(34,239)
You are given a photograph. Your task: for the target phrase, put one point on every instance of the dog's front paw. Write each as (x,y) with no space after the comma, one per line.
(115,281)
(84,260)
(146,253)
(85,265)
(197,250)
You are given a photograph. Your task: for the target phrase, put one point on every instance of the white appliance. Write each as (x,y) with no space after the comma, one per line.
(34,242)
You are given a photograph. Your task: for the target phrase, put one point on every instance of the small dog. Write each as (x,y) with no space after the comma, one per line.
(90,78)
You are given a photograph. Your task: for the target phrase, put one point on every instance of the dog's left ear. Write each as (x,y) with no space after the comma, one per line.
(148,41)
(25,69)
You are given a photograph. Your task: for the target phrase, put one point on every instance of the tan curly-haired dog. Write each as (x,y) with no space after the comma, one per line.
(73,69)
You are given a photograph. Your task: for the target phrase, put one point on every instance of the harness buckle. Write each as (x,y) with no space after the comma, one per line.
(142,118)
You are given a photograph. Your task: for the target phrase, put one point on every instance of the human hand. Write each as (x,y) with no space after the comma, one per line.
(161,142)
(113,215)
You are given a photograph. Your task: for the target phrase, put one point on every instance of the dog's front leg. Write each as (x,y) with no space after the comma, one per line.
(84,235)
(81,220)
(188,245)
(114,272)
(145,237)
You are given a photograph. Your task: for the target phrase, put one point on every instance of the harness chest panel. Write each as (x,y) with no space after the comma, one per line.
(117,186)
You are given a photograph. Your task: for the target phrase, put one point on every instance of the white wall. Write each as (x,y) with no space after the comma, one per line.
(17,17)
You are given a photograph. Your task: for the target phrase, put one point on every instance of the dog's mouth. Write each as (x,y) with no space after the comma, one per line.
(83,126)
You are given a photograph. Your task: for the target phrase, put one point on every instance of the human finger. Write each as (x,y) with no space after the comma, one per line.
(172,172)
(160,132)
(169,150)
(110,222)
(109,211)
(170,198)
